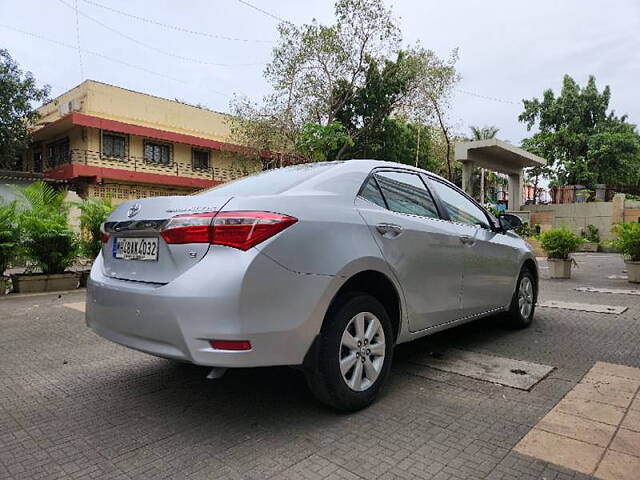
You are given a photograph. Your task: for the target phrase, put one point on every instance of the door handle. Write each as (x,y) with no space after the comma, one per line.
(467,240)
(389,230)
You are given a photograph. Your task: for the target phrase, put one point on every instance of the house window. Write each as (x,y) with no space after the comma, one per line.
(114,145)
(200,159)
(58,152)
(159,153)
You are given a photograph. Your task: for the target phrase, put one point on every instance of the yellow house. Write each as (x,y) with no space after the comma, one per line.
(109,141)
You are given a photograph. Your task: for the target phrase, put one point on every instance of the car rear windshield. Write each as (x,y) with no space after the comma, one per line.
(271,182)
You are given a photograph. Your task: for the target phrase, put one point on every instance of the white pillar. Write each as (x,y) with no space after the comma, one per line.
(467,170)
(515,191)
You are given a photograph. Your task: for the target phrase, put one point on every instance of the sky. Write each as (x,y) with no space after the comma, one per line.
(509,49)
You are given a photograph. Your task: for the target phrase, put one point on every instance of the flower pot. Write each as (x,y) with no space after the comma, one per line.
(3,285)
(39,282)
(633,271)
(535,246)
(588,247)
(559,268)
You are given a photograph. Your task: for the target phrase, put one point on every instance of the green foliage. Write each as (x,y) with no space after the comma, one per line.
(524,230)
(483,133)
(317,142)
(371,104)
(18,93)
(591,234)
(47,239)
(9,235)
(352,73)
(559,243)
(627,240)
(93,212)
(582,142)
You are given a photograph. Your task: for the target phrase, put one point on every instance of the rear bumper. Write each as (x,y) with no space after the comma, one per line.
(229,295)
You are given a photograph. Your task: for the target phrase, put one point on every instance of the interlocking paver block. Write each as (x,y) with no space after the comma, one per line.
(75,406)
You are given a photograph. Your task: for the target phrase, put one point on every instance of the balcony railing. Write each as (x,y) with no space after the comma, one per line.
(140,164)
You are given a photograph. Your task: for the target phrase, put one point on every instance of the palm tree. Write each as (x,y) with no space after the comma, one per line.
(483,133)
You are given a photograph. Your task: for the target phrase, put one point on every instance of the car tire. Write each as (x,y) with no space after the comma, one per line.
(354,353)
(523,302)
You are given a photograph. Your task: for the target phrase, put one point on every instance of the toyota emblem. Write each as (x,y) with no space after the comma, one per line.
(133,210)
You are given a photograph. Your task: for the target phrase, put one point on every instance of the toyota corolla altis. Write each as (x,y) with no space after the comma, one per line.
(325,266)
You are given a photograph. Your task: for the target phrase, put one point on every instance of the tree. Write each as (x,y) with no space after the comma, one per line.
(352,72)
(317,142)
(370,105)
(306,66)
(431,93)
(310,61)
(483,133)
(18,93)
(583,142)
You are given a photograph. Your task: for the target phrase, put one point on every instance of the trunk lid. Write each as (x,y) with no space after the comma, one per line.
(144,219)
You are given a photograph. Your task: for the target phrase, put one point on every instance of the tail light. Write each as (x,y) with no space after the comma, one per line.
(104,236)
(242,230)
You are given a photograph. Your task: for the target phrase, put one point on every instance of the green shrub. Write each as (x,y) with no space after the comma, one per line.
(93,212)
(559,243)
(591,234)
(9,235)
(627,240)
(524,230)
(46,237)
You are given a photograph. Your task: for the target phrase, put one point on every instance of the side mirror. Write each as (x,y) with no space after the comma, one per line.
(509,222)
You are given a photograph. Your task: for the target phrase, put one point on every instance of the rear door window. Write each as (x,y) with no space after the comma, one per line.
(401,192)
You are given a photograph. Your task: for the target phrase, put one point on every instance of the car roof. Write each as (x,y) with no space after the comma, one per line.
(368,165)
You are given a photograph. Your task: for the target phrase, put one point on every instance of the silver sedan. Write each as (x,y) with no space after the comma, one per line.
(326,266)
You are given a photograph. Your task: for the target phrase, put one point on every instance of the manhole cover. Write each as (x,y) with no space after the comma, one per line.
(518,371)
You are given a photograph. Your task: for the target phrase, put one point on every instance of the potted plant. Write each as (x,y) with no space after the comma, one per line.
(93,212)
(47,240)
(590,239)
(627,241)
(9,240)
(559,244)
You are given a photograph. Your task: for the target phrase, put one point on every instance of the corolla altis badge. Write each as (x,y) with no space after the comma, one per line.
(200,209)
(133,210)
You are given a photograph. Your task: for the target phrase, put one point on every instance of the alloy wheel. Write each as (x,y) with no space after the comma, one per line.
(362,351)
(525,297)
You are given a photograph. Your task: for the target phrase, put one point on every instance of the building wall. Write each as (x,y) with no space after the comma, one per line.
(576,216)
(226,166)
(115,103)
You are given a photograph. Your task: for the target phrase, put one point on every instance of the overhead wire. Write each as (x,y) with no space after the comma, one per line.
(268,14)
(78,41)
(90,52)
(155,49)
(175,27)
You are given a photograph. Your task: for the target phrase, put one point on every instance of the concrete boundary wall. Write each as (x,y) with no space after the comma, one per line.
(576,216)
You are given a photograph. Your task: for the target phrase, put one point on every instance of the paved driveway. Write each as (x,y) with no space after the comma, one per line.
(75,406)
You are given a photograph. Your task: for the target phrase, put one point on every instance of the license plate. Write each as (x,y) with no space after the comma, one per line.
(131,248)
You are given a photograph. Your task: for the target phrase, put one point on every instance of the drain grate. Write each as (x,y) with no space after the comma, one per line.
(584,307)
(489,368)
(621,291)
